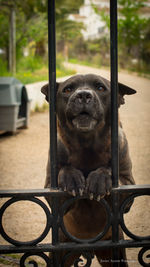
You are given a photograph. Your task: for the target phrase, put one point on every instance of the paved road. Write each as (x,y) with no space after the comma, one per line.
(23,160)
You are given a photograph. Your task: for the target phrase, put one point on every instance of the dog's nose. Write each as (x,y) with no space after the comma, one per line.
(84,97)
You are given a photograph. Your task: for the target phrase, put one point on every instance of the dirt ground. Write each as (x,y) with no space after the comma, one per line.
(23,158)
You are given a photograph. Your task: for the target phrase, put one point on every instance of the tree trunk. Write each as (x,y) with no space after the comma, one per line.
(12,41)
(40,48)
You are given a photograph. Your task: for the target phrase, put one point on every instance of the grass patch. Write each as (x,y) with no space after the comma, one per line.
(34,69)
(143,72)
(40,75)
(89,63)
(10,259)
(82,62)
(14,260)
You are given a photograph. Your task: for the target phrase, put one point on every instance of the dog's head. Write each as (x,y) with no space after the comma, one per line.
(83,102)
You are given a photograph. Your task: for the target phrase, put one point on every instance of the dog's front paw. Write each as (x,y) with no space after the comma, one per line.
(99,183)
(71,180)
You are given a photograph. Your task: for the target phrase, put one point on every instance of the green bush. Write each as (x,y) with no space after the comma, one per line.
(3,68)
(33,69)
(30,63)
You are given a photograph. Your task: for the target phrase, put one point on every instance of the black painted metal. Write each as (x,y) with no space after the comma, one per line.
(52,116)
(134,189)
(70,202)
(72,246)
(32,242)
(77,245)
(54,218)
(114,91)
(33,262)
(122,223)
(87,256)
(52,91)
(114,124)
(141,256)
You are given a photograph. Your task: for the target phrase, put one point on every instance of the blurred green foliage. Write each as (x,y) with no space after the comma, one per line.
(133,34)
(32,37)
(33,69)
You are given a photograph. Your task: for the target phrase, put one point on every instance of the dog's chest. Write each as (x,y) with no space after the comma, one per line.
(89,159)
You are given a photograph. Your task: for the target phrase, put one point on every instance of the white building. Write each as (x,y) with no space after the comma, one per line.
(94,27)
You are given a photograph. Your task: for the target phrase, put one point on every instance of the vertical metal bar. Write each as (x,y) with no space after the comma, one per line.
(114,90)
(52,91)
(52,115)
(114,123)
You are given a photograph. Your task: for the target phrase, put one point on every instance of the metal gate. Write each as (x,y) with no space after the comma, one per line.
(55,216)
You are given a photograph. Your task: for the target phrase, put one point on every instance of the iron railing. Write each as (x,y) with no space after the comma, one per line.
(54,218)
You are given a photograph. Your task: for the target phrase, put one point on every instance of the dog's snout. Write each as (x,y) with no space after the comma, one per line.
(84,96)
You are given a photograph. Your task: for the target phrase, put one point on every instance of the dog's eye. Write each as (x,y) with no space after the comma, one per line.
(100,87)
(67,90)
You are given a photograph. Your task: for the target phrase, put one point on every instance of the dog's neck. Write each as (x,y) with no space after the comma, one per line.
(75,140)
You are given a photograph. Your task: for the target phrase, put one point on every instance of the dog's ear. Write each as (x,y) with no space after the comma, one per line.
(45,89)
(124,90)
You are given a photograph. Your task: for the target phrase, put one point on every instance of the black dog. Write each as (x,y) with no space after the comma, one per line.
(84,155)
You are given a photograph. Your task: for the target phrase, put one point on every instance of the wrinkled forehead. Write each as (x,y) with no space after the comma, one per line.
(88,80)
